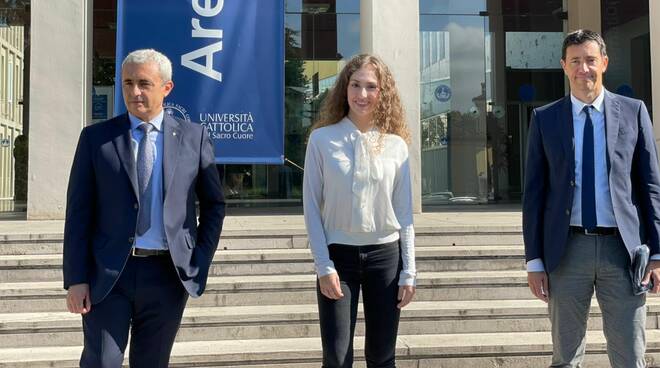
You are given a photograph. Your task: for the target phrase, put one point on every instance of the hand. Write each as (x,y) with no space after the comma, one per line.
(330,287)
(538,284)
(77,299)
(406,293)
(653,271)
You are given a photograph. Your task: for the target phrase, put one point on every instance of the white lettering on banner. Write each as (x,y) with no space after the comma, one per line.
(208,51)
(228,125)
(225,117)
(198,31)
(208,10)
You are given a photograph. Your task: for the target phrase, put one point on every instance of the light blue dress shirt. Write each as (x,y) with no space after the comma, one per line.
(154,238)
(604,209)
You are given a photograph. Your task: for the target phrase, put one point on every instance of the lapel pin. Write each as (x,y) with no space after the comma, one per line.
(173,133)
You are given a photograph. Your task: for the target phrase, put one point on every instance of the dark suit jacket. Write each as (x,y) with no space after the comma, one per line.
(102,204)
(634,178)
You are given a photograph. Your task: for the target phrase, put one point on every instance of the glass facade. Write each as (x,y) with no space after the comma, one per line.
(320,35)
(484,66)
(625,28)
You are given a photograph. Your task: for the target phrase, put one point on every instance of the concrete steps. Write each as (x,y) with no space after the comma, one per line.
(42,296)
(48,267)
(510,350)
(291,321)
(472,307)
(51,243)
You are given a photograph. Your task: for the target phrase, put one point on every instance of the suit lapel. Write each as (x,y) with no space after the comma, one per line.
(171,142)
(612,115)
(123,145)
(568,139)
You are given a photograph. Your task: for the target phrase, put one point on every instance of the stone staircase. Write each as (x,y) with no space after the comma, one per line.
(472,308)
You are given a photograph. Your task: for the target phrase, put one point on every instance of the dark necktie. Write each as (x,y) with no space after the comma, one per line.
(145,164)
(588,177)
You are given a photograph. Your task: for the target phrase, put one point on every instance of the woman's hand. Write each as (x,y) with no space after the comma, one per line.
(330,287)
(406,294)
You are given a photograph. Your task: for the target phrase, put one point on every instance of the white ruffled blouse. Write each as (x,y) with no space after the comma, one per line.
(357,191)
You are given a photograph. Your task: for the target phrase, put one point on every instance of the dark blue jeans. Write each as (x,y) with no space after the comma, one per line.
(375,269)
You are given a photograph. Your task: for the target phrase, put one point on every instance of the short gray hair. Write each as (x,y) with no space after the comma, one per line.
(144,56)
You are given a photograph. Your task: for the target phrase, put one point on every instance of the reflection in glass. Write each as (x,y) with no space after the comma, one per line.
(626,33)
(533,50)
(292,6)
(484,66)
(317,43)
(348,6)
(471,7)
(453,98)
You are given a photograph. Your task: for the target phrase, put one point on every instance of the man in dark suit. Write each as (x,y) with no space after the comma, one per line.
(133,249)
(592,195)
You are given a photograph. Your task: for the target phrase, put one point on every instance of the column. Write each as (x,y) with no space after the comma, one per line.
(654,29)
(60,89)
(390,29)
(584,14)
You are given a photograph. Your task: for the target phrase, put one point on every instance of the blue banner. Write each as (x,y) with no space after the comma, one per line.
(228,68)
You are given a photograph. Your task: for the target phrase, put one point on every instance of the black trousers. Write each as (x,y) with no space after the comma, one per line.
(149,299)
(375,269)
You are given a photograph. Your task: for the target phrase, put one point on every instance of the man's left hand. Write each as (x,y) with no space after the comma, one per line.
(653,272)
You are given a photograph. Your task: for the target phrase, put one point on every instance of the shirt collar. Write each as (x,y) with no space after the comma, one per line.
(157,122)
(598,104)
(349,125)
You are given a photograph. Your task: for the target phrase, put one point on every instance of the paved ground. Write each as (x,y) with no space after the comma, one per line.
(444,219)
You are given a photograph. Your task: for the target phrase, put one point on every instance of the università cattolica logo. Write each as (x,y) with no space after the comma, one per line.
(176,110)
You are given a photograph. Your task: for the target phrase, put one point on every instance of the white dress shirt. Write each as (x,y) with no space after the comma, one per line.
(357,194)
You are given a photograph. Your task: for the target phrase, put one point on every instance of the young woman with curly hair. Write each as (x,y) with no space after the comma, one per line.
(357,200)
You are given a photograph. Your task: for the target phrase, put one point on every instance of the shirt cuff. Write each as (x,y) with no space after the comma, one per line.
(535,265)
(408,274)
(407,279)
(326,270)
(655,257)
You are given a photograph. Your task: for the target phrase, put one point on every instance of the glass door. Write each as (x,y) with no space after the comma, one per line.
(453,109)
(14,72)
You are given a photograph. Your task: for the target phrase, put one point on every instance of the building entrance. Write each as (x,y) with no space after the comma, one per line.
(14,124)
(484,67)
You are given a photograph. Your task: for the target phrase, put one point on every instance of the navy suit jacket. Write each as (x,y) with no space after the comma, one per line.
(634,177)
(102,204)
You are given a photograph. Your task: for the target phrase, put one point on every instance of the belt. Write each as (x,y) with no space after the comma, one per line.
(364,248)
(142,252)
(597,231)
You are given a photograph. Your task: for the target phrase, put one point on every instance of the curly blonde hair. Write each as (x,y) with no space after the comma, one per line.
(388,114)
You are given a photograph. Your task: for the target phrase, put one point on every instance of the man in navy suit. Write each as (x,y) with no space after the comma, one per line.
(592,195)
(133,248)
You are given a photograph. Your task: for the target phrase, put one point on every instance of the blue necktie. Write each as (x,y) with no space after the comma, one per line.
(145,164)
(588,177)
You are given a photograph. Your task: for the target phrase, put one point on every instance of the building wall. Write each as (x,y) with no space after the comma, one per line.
(61,34)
